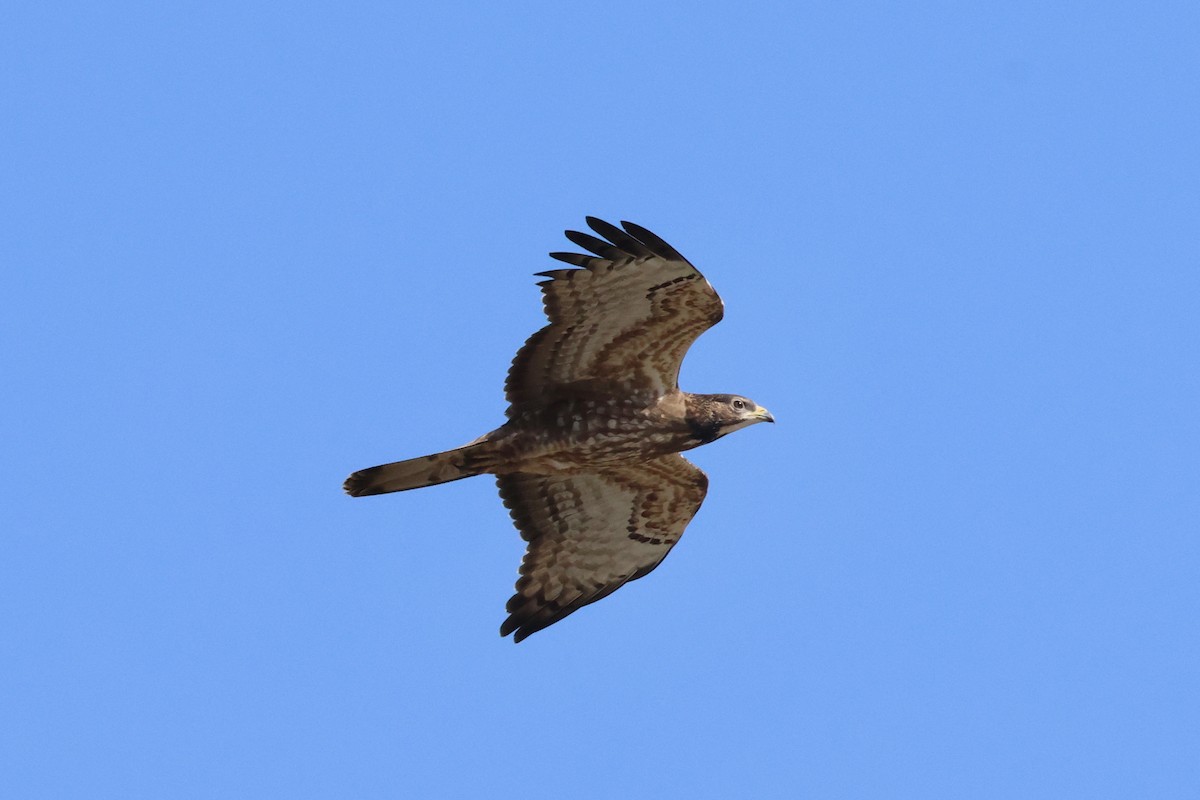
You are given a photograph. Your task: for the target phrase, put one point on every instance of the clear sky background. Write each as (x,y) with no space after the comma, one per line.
(248,248)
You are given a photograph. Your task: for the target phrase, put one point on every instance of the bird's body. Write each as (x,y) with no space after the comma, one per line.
(588,462)
(588,433)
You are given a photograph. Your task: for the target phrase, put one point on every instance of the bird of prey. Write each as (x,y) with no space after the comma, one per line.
(588,462)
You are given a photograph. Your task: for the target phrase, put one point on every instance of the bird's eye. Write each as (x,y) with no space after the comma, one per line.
(740,405)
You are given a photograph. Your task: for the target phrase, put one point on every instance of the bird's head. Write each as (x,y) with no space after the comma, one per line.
(735,411)
(711,416)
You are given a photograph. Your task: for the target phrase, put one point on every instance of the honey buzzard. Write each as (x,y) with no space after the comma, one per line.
(589,462)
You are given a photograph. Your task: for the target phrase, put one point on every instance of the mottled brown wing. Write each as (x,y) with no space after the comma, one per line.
(620,324)
(591,533)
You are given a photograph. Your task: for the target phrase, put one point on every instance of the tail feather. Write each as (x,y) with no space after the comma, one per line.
(415,473)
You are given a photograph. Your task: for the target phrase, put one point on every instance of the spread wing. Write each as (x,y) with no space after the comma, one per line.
(620,324)
(590,533)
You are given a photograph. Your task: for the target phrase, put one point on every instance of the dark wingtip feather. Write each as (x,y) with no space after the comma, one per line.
(592,244)
(520,629)
(357,484)
(527,617)
(618,237)
(517,627)
(652,241)
(575,259)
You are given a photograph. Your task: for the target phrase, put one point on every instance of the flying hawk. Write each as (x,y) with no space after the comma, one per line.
(588,462)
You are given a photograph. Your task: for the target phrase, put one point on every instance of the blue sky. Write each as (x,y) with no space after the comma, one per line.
(251,248)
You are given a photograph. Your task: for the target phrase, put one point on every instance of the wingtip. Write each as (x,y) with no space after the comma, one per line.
(653,241)
(574,259)
(510,626)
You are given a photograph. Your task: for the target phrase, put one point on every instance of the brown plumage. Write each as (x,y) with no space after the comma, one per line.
(588,462)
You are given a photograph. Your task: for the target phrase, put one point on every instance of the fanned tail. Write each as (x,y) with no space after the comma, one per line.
(399,476)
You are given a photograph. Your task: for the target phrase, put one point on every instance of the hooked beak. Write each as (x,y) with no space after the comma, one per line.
(763,415)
